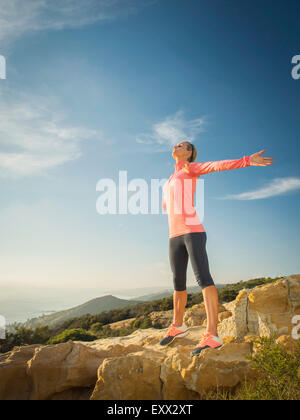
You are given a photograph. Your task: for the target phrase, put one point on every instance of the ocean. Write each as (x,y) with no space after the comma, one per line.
(22,310)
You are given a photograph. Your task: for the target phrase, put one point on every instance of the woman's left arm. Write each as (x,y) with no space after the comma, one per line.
(201,168)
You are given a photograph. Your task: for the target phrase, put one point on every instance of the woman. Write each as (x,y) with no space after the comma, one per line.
(187,238)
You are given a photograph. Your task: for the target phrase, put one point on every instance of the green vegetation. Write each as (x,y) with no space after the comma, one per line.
(23,336)
(93,307)
(278,375)
(96,326)
(77,334)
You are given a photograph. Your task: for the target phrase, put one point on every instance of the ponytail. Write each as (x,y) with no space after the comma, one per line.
(193,156)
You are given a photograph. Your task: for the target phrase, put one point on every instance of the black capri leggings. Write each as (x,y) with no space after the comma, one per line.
(182,247)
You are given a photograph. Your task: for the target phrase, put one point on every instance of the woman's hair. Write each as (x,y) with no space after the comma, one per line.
(191,147)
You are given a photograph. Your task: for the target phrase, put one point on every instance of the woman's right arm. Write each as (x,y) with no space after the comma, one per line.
(196,169)
(201,168)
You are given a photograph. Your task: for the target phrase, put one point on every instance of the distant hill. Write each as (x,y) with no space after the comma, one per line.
(168,292)
(92,307)
(100,304)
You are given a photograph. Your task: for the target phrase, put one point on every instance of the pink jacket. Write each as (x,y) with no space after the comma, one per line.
(179,191)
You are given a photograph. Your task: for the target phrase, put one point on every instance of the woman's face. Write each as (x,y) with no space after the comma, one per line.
(181,152)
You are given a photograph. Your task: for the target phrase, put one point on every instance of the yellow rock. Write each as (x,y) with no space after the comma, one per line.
(250,338)
(224,315)
(131,377)
(288,343)
(228,339)
(270,298)
(121,324)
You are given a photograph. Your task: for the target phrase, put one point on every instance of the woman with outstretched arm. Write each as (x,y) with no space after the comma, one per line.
(187,238)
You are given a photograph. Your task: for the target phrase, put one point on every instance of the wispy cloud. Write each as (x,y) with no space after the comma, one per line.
(34,137)
(276,187)
(21,16)
(171,130)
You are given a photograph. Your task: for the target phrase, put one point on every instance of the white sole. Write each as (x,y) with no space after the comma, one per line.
(177,336)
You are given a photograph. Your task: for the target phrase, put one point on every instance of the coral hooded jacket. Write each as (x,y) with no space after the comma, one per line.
(179,191)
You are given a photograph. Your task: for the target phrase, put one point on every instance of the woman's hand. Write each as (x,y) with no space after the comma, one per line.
(257,160)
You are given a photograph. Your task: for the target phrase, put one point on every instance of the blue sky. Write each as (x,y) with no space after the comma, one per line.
(96,87)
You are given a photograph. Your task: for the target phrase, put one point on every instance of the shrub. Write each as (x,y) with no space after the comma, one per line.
(41,334)
(24,336)
(97,326)
(146,324)
(76,334)
(277,375)
(278,372)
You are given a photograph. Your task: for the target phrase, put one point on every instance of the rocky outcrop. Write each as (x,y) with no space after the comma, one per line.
(131,367)
(48,372)
(196,315)
(134,376)
(163,318)
(15,384)
(118,325)
(136,367)
(264,310)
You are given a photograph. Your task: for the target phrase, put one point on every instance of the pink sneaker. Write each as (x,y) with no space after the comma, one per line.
(174,332)
(208,341)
